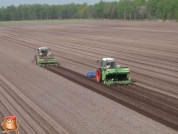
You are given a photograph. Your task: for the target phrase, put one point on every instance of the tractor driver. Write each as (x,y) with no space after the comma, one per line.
(110,64)
(44,51)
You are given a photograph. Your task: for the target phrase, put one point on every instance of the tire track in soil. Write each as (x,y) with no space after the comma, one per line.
(150,105)
(34,123)
(85,40)
(167,74)
(86,64)
(169,84)
(65,57)
(126,59)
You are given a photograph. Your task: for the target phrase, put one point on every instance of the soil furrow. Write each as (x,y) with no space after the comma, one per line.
(150,107)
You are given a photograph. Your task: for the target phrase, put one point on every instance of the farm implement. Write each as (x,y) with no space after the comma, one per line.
(45,58)
(110,73)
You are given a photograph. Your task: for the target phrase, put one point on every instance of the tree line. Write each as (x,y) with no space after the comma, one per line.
(122,9)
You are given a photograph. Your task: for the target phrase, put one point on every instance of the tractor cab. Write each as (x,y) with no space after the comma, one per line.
(43,51)
(108,63)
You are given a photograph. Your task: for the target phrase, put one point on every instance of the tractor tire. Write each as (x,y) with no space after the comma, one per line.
(35,60)
(99,75)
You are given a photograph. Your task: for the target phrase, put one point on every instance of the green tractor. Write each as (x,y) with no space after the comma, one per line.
(44,58)
(111,73)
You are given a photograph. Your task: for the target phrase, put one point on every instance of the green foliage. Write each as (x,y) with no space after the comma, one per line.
(120,9)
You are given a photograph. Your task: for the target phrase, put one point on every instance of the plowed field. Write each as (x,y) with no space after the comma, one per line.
(60,100)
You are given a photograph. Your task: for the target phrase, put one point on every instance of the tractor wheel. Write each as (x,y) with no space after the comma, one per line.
(35,60)
(98,75)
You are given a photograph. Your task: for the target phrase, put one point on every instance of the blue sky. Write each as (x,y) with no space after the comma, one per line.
(50,2)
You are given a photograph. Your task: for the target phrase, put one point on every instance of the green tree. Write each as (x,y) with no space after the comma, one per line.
(122,9)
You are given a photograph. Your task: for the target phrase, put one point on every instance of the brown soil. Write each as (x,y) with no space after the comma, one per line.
(149,49)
